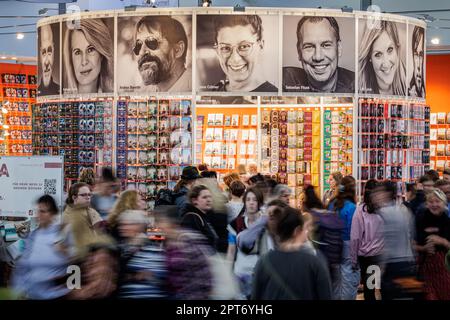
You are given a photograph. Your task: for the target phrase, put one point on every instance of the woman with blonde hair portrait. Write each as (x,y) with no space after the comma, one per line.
(88,58)
(381,61)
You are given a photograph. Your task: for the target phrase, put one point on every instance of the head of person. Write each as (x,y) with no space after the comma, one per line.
(446,175)
(436,201)
(444,186)
(367,196)
(253,200)
(418,40)
(384,194)
(255,178)
(253,168)
(160,44)
(89,57)
(241,170)
(132,223)
(79,195)
(310,199)
(201,198)
(381,65)
(87,176)
(187,178)
(230,177)
(202,167)
(290,225)
(108,182)
(237,188)
(334,180)
(209,174)
(128,200)
(346,191)
(426,182)
(319,49)
(46,53)
(433,174)
(411,191)
(239,44)
(271,184)
(275,213)
(168,220)
(46,210)
(282,192)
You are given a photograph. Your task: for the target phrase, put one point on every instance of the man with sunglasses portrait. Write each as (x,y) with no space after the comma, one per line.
(239,45)
(160,47)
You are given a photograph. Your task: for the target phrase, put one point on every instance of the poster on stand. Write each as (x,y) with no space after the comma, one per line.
(25,179)
(48,59)
(88,56)
(237,53)
(416,62)
(154,54)
(318,54)
(382,57)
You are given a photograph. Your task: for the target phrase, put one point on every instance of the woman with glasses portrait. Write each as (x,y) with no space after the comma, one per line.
(239,45)
(88,58)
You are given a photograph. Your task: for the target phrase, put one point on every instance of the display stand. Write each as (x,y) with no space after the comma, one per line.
(440,141)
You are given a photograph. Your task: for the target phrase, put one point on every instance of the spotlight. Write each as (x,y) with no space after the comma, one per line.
(43,11)
(5,126)
(20,35)
(206,3)
(3,57)
(13,58)
(435,41)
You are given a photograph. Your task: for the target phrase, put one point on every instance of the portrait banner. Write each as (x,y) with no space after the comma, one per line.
(382,58)
(237,53)
(318,54)
(48,59)
(154,54)
(88,56)
(416,62)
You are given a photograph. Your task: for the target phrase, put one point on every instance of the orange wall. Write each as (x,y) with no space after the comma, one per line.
(438,82)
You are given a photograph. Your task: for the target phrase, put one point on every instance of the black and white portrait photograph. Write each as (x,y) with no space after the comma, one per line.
(237,53)
(154,54)
(318,54)
(88,56)
(382,57)
(416,62)
(48,59)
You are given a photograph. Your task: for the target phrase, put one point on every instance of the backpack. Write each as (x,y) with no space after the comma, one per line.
(329,229)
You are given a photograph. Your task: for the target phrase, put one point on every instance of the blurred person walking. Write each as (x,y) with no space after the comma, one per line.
(398,256)
(104,197)
(367,238)
(433,243)
(188,273)
(41,271)
(346,279)
(243,264)
(444,186)
(143,269)
(291,272)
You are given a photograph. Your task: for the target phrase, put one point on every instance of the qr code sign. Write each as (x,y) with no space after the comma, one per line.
(49,186)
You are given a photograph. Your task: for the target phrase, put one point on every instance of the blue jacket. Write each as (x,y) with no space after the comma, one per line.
(346,214)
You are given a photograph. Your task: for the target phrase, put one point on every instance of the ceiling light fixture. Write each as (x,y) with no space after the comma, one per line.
(20,35)
(435,41)
(206,3)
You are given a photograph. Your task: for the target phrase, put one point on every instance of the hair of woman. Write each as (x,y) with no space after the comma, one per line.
(73,191)
(128,200)
(97,34)
(367,78)
(258,194)
(346,191)
(195,192)
(290,220)
(368,189)
(311,200)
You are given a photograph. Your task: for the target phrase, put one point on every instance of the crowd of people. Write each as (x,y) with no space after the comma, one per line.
(240,240)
